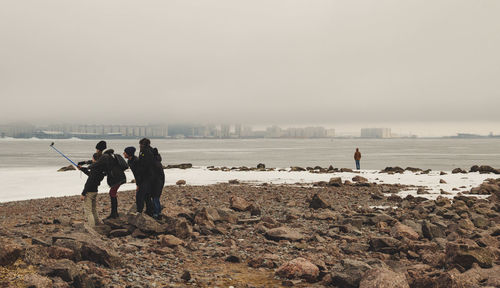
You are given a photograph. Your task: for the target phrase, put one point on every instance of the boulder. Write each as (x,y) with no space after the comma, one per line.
(474,277)
(283,233)
(203,218)
(351,274)
(66,168)
(402,231)
(179,227)
(335,181)
(359,179)
(145,223)
(383,278)
(431,231)
(441,181)
(180,182)
(393,170)
(296,169)
(346,170)
(458,170)
(261,166)
(466,255)
(179,166)
(10,252)
(317,202)
(64,269)
(238,204)
(233,181)
(299,268)
(384,244)
(88,247)
(170,241)
(37,281)
(484,169)
(58,252)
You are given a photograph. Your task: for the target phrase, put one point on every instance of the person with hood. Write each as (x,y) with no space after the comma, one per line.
(89,194)
(115,174)
(133,162)
(357,158)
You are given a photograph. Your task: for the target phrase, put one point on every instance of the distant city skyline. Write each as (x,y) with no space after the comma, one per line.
(238,130)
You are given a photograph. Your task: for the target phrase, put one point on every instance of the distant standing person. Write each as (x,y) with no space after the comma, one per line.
(357,158)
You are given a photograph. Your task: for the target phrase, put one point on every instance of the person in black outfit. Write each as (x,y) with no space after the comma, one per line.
(158,182)
(142,179)
(145,168)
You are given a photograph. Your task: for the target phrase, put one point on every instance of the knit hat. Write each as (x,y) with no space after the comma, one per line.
(101,145)
(145,142)
(130,151)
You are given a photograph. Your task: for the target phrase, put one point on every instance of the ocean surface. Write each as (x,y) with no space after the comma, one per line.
(28,168)
(436,154)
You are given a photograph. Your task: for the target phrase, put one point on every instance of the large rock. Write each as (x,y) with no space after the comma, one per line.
(431,231)
(179,166)
(239,204)
(335,181)
(351,275)
(359,179)
(474,277)
(483,169)
(64,269)
(383,278)
(466,255)
(283,233)
(393,170)
(402,231)
(89,247)
(145,223)
(179,227)
(317,202)
(299,268)
(37,281)
(386,245)
(9,252)
(170,241)
(66,168)
(203,218)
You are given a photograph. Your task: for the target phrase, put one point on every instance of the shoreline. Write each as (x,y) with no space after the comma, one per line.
(266,235)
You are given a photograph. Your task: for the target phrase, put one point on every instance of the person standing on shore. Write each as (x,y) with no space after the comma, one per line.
(145,172)
(89,194)
(357,158)
(158,183)
(133,163)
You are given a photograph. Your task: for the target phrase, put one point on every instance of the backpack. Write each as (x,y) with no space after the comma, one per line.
(120,162)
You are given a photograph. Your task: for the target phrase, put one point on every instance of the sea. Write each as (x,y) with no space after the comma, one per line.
(435,154)
(28,167)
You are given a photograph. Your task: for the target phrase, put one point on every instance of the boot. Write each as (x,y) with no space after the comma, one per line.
(114,208)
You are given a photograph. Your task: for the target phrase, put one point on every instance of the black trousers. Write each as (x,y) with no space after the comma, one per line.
(144,195)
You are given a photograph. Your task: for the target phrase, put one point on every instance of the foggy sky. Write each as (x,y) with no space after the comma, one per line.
(260,61)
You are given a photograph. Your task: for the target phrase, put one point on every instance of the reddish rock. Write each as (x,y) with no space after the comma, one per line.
(58,252)
(466,255)
(383,278)
(180,182)
(37,281)
(170,241)
(402,231)
(9,252)
(284,233)
(317,202)
(299,268)
(359,179)
(239,204)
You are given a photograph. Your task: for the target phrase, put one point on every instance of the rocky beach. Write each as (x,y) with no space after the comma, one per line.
(336,233)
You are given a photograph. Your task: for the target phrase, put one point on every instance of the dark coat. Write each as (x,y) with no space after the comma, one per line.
(96,175)
(134,165)
(146,164)
(108,164)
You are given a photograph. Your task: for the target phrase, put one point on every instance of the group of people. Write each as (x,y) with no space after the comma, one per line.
(146,168)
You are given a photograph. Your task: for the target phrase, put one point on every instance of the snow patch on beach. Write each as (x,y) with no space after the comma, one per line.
(41,182)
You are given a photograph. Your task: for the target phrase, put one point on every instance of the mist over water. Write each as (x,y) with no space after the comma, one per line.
(436,154)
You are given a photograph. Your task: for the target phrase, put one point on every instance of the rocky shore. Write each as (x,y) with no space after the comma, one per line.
(334,234)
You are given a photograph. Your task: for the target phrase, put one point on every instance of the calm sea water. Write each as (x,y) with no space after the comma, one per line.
(436,154)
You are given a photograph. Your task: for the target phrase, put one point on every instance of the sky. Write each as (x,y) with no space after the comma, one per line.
(342,63)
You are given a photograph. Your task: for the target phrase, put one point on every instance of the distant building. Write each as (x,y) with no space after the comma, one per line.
(330,133)
(273,132)
(376,133)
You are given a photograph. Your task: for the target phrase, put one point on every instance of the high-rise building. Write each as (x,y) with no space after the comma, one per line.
(376,133)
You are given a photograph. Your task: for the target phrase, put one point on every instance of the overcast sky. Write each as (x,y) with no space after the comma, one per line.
(256,62)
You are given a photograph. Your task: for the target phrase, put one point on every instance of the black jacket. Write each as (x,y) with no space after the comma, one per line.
(107,163)
(145,165)
(134,164)
(96,175)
